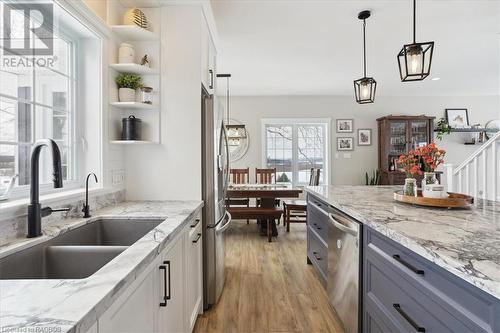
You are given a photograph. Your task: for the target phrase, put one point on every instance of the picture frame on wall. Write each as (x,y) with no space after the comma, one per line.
(345,125)
(345,144)
(457,118)
(364,137)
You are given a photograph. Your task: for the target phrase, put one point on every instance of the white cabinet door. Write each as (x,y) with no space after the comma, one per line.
(194,272)
(212,65)
(135,310)
(204,54)
(171,314)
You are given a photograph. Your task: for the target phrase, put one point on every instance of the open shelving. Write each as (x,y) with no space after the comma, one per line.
(133,142)
(145,42)
(134,69)
(133,105)
(134,33)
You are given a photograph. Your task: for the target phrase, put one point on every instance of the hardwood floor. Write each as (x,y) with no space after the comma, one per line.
(269,286)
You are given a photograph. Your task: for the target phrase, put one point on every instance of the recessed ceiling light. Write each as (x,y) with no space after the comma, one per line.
(436,78)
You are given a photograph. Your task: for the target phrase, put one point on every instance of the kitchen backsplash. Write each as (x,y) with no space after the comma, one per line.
(15,225)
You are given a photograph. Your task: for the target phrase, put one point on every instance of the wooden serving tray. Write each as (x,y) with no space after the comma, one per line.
(454,200)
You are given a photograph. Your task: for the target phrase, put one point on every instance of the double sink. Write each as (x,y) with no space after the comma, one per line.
(78,253)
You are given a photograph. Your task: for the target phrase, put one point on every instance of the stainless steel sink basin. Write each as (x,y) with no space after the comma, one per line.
(108,232)
(76,254)
(46,261)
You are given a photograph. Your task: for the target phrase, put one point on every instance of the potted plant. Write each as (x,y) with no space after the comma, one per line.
(430,157)
(409,164)
(127,85)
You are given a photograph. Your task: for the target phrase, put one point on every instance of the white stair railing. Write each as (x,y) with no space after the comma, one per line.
(479,174)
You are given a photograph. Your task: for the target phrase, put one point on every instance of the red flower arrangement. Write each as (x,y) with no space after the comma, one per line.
(409,163)
(431,156)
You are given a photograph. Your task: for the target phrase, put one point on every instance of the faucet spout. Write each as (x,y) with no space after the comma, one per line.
(34,208)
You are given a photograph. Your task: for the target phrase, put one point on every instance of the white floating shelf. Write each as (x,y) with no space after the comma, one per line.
(133,105)
(133,68)
(133,142)
(133,33)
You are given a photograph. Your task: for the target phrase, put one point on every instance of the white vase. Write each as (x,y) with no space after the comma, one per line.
(126,54)
(126,95)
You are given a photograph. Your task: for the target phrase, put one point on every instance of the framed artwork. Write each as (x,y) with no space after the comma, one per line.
(345,125)
(344,144)
(457,118)
(364,137)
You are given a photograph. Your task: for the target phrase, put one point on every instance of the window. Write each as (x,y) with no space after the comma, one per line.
(38,98)
(294,146)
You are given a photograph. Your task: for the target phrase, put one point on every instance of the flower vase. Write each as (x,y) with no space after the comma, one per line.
(410,187)
(431,187)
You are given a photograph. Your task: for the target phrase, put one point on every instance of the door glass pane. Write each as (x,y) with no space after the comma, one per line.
(279,151)
(419,134)
(397,138)
(310,150)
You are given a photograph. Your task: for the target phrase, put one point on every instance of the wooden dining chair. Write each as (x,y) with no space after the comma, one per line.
(265,176)
(239,176)
(295,211)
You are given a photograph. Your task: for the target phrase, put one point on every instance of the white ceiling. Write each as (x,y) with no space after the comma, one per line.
(293,47)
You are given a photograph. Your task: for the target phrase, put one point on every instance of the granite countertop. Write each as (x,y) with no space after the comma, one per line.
(465,242)
(75,305)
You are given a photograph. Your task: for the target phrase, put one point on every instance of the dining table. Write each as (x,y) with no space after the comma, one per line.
(267,195)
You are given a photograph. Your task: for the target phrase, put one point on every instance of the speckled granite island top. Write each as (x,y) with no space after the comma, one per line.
(464,242)
(74,305)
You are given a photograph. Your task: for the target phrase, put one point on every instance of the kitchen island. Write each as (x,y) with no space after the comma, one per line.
(452,257)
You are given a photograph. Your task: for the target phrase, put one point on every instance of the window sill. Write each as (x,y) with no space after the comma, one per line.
(17,206)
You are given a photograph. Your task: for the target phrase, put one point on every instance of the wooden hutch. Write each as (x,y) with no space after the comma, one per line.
(398,135)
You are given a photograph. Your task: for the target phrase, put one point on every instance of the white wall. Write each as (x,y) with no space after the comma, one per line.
(172,169)
(251,109)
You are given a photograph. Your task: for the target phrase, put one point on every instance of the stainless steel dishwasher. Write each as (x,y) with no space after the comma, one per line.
(344,269)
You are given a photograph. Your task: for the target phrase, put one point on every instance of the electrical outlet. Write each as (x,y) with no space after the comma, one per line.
(118,177)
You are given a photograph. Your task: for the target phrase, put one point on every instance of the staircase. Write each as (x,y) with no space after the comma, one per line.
(479,174)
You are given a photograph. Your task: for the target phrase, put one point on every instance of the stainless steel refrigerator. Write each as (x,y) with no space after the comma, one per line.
(216,220)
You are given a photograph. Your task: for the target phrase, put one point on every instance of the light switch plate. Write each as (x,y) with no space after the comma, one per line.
(347,155)
(336,155)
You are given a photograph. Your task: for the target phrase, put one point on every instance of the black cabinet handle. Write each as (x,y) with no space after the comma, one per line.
(197,238)
(316,225)
(408,318)
(408,265)
(195,223)
(315,254)
(211,85)
(169,295)
(164,269)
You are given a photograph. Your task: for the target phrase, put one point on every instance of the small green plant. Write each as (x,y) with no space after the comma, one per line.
(127,80)
(283,178)
(442,128)
(374,180)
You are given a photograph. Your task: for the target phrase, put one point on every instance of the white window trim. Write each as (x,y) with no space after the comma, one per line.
(298,121)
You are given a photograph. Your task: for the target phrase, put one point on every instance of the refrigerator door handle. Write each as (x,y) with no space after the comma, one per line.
(226,225)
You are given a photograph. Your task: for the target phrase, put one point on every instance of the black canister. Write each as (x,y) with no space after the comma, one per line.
(131,128)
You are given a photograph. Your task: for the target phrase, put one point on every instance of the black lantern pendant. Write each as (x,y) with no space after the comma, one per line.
(415,59)
(364,88)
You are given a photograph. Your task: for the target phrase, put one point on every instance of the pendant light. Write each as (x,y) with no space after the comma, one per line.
(364,88)
(235,132)
(415,59)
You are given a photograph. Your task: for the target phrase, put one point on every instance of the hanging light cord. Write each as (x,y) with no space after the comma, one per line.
(364,48)
(414,21)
